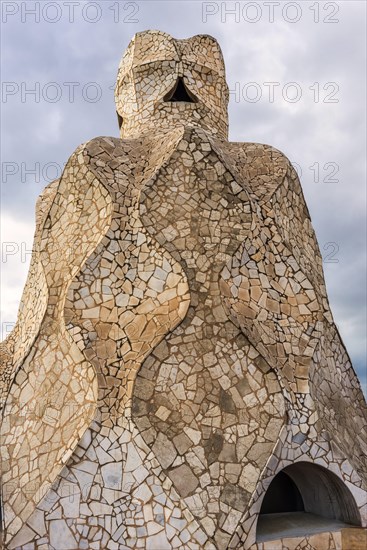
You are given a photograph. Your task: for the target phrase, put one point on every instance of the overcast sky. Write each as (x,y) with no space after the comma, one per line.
(296,71)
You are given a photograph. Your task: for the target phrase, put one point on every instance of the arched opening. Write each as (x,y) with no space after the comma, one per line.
(282,496)
(304,499)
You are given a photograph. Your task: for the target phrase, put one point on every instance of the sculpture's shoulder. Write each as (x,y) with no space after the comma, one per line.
(125,163)
(271,180)
(44,202)
(262,167)
(110,153)
(108,147)
(102,154)
(119,166)
(113,162)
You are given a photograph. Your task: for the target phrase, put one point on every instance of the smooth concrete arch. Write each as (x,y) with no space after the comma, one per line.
(304,499)
(323,492)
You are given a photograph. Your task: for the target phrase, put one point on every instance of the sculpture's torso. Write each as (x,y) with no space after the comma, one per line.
(204,380)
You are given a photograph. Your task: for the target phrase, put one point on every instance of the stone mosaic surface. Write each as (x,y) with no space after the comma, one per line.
(174,348)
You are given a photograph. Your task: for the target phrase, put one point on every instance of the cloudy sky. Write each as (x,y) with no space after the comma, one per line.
(296,71)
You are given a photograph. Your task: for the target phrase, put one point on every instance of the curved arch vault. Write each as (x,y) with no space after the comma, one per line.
(305,499)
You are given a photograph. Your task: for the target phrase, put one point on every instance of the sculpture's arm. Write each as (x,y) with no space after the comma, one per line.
(334,385)
(265,288)
(31,310)
(53,395)
(276,291)
(32,306)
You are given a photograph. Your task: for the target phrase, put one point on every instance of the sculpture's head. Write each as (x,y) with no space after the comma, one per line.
(163,83)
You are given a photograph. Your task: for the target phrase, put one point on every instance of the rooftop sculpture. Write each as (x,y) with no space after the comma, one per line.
(175,377)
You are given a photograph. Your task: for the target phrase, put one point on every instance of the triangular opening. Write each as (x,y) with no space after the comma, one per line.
(180,93)
(120,120)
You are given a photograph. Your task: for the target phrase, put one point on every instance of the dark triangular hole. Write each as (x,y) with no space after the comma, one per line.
(179,92)
(119,118)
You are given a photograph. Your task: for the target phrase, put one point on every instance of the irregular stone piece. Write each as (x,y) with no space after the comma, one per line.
(61,536)
(184,479)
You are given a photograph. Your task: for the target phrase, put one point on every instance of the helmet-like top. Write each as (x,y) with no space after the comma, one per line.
(163,83)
